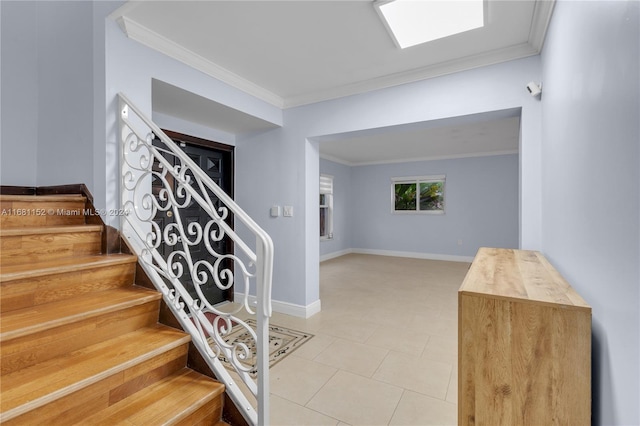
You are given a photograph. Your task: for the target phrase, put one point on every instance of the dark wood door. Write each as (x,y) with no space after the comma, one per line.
(216,160)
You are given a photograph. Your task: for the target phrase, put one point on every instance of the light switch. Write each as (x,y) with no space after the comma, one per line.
(288,211)
(275,211)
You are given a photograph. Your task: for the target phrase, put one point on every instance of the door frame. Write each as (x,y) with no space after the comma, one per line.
(205,143)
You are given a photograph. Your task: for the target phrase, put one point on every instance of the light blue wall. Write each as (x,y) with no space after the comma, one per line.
(47,93)
(342,207)
(590,159)
(19,74)
(481,207)
(285,161)
(168,122)
(130,68)
(270,171)
(65,99)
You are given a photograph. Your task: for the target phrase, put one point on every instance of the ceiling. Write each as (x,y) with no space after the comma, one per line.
(176,102)
(493,133)
(292,53)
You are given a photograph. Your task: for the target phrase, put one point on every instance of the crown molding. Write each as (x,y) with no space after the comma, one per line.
(336,160)
(540,21)
(438,157)
(157,42)
(417,159)
(519,51)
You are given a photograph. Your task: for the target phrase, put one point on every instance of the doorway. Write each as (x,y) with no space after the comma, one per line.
(216,160)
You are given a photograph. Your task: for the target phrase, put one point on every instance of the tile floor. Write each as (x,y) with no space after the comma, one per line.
(385,346)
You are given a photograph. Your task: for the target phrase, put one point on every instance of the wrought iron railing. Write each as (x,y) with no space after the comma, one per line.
(166,253)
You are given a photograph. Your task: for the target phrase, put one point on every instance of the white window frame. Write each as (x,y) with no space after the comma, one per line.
(326,188)
(417,180)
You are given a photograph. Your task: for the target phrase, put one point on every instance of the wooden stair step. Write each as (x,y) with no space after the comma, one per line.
(37,244)
(79,342)
(28,285)
(59,229)
(37,210)
(185,397)
(35,319)
(31,336)
(82,377)
(41,198)
(63,266)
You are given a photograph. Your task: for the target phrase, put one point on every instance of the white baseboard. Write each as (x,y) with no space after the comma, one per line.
(335,254)
(415,255)
(287,308)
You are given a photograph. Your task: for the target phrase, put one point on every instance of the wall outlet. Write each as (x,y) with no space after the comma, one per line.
(288,211)
(459,242)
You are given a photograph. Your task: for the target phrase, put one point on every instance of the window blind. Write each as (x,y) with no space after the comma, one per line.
(326,184)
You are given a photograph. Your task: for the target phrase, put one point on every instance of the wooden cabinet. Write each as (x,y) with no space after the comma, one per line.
(524,343)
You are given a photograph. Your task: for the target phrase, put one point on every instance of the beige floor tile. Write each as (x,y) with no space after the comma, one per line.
(298,379)
(301,324)
(388,333)
(314,346)
(449,313)
(421,410)
(434,326)
(348,327)
(442,348)
(417,374)
(452,392)
(356,400)
(399,339)
(355,357)
(287,413)
(393,315)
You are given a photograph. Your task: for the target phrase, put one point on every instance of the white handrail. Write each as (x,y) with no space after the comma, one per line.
(182,184)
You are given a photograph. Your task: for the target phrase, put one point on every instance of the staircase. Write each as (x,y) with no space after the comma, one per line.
(79,342)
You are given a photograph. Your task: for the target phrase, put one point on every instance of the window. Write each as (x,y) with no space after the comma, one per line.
(424,194)
(412,22)
(326,207)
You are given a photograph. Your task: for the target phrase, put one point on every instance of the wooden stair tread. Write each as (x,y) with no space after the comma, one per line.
(164,402)
(38,318)
(37,198)
(63,229)
(37,385)
(59,266)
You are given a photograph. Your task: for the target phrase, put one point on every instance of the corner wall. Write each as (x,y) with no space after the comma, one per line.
(590,169)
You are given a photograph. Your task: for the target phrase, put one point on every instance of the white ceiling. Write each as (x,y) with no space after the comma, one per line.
(292,53)
(492,133)
(177,102)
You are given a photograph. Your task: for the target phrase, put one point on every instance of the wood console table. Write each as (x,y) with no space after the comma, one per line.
(524,343)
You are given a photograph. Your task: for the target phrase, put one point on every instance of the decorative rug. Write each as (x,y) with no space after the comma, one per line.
(282,342)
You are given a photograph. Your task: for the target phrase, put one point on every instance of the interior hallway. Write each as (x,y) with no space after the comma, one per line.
(384,350)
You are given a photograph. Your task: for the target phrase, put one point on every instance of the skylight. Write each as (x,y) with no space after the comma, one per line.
(413,22)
